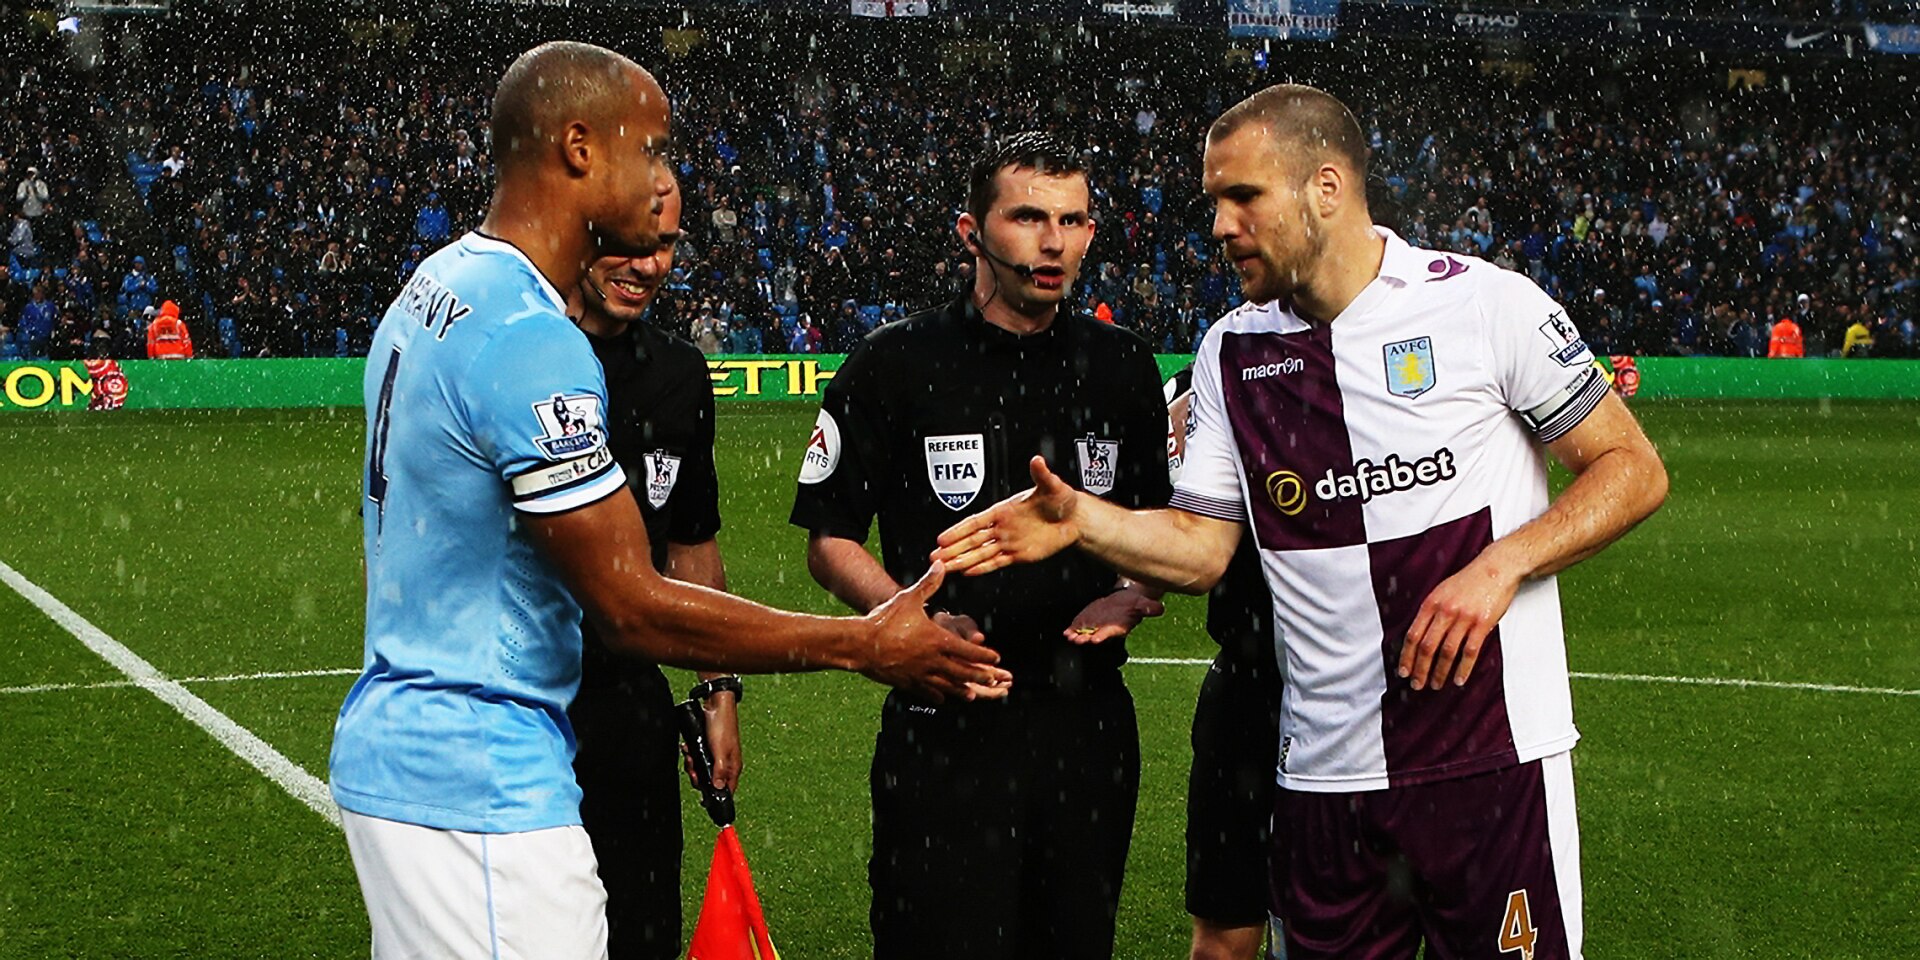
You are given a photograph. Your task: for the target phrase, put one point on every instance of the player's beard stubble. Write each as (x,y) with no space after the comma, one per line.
(1286,265)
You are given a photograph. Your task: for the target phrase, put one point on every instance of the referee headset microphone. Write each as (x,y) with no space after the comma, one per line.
(978,239)
(979,244)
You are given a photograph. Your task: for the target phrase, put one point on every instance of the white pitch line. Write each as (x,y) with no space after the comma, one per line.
(1638,678)
(225,678)
(1733,682)
(296,781)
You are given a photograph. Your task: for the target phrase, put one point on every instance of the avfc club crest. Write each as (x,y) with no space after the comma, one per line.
(570,425)
(1409,367)
(956,466)
(663,469)
(1097,460)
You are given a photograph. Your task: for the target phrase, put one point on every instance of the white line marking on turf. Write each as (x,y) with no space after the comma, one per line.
(1769,684)
(296,781)
(1637,678)
(227,678)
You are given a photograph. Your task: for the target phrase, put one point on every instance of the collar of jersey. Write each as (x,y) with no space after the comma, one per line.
(993,333)
(481,243)
(1402,263)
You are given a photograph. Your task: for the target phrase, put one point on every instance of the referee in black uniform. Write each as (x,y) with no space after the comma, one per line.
(1000,829)
(1236,745)
(660,429)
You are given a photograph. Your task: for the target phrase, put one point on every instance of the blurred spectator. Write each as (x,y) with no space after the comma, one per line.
(138,288)
(707,331)
(432,225)
(1786,340)
(22,252)
(32,194)
(1859,341)
(35,328)
(167,336)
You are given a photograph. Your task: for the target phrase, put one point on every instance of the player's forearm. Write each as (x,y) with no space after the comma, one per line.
(690,626)
(1611,496)
(849,572)
(1167,549)
(699,564)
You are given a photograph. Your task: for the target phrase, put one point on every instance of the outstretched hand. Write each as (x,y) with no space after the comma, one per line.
(911,652)
(1114,615)
(1027,527)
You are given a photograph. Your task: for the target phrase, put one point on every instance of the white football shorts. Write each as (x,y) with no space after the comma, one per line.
(449,895)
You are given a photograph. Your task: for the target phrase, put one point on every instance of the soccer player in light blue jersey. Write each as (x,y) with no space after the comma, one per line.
(494,513)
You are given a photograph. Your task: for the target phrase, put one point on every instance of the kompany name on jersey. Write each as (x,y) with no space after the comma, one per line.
(570,425)
(1409,367)
(823,450)
(1097,460)
(956,466)
(430,302)
(663,470)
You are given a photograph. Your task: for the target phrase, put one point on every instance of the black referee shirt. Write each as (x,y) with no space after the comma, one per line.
(660,429)
(933,418)
(1239,608)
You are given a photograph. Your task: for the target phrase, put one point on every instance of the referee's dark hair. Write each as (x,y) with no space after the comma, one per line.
(1044,152)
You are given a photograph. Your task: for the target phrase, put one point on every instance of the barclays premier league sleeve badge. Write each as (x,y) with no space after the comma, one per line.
(663,470)
(569,425)
(1097,460)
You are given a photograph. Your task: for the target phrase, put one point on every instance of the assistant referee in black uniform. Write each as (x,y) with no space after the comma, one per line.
(660,429)
(1000,829)
(1236,745)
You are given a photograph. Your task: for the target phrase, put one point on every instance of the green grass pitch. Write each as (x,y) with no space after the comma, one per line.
(1717,821)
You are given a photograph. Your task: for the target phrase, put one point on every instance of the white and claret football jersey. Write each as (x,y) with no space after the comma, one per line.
(484,404)
(1371,458)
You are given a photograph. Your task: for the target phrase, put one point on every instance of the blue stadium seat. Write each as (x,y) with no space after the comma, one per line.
(229,335)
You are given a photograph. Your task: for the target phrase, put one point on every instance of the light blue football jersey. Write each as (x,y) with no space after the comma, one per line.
(483,401)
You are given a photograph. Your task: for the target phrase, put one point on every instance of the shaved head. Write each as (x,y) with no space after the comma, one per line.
(1309,124)
(557,84)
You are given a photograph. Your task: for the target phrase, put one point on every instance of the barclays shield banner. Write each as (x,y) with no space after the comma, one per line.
(1284,19)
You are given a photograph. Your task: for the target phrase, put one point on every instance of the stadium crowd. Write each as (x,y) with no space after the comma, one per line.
(289,196)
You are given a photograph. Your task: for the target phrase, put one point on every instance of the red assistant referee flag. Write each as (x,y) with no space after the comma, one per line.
(731,926)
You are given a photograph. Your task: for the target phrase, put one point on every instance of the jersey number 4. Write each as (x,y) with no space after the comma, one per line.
(377,456)
(1516,929)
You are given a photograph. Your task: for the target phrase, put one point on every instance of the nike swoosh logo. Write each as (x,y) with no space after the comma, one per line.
(1795,43)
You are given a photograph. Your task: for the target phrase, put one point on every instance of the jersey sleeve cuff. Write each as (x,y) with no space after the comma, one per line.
(1557,417)
(1219,508)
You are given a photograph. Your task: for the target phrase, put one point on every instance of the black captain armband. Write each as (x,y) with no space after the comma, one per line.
(705,689)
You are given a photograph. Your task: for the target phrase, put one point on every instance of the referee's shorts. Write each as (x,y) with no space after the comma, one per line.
(1000,828)
(1230,792)
(628,766)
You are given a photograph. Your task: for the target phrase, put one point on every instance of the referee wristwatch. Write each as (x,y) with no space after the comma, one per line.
(705,689)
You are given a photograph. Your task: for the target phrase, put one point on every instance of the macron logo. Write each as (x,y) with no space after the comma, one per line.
(1447,268)
(1261,371)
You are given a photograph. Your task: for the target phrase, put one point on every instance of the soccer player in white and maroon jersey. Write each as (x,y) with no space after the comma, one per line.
(1376,416)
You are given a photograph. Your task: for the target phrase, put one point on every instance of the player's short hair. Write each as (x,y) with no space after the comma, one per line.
(551,86)
(1311,122)
(1044,152)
